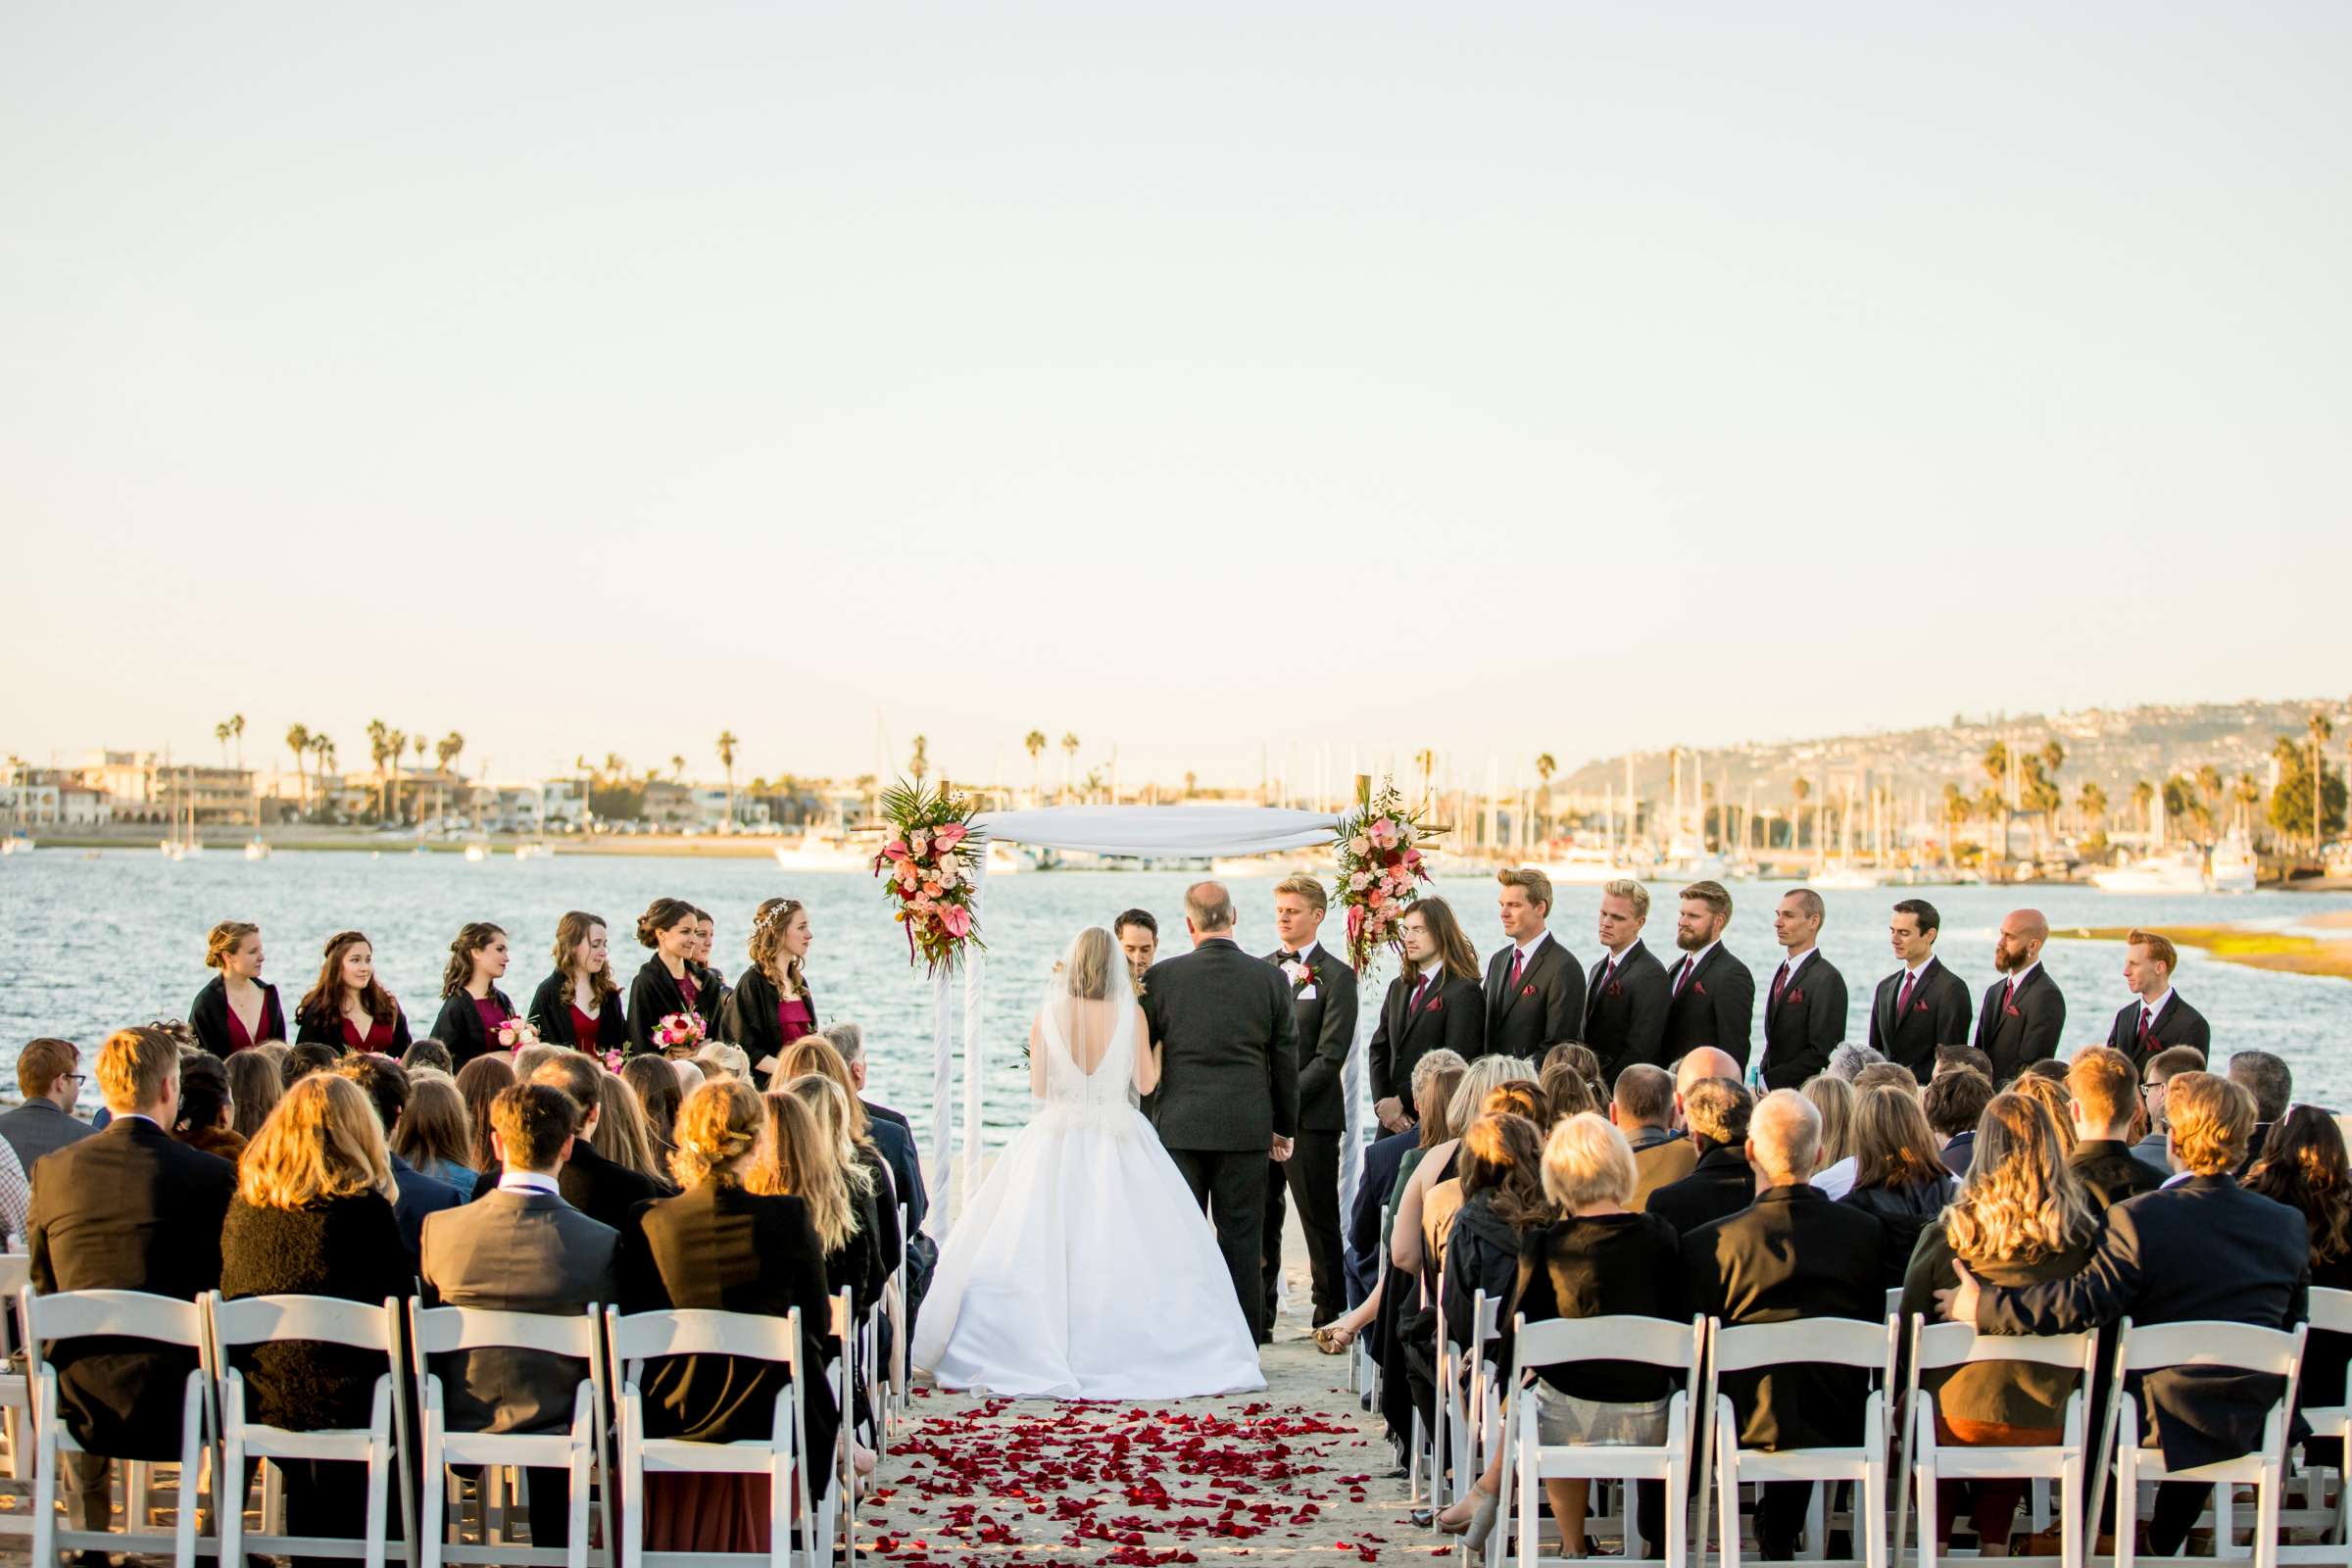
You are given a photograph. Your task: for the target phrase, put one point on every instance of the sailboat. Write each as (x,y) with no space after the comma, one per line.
(2234,868)
(2181,870)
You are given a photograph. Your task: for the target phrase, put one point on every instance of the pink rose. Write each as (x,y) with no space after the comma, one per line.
(1359,845)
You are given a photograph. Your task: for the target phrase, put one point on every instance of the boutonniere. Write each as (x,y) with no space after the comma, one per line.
(1615,988)
(1301,975)
(1792,997)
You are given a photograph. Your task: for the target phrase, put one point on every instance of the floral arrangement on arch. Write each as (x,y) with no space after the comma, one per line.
(930,870)
(1382,866)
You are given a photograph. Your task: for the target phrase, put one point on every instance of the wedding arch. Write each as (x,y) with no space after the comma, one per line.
(1160,832)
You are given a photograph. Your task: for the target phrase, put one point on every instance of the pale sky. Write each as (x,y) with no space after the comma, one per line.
(1196,377)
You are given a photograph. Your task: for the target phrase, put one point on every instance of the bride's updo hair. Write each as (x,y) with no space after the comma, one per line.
(717,1131)
(1094,961)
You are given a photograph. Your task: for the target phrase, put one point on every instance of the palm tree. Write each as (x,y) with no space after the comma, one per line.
(236,732)
(2143,795)
(1800,791)
(2321,732)
(920,762)
(398,742)
(220,734)
(444,749)
(298,741)
(323,751)
(1192,782)
(1996,768)
(1069,758)
(677,767)
(2091,802)
(1955,812)
(2247,793)
(1545,765)
(378,743)
(726,759)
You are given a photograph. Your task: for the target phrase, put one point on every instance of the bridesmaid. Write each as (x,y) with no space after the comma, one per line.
(580,1006)
(474,1006)
(705,932)
(670,981)
(236,1012)
(347,1008)
(770,1006)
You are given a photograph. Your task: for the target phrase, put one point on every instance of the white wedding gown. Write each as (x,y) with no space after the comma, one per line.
(1083,1269)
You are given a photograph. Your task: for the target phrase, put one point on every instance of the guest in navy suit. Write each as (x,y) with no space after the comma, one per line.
(579,1004)
(1711,996)
(1804,1011)
(1922,1004)
(2156,1019)
(1436,1002)
(1624,995)
(2022,1018)
(349,1008)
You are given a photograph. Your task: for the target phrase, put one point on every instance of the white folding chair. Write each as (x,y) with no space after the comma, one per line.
(2330,1313)
(782,1457)
(1528,1461)
(1466,1379)
(1725,1464)
(578,1452)
(1938,1347)
(2238,1346)
(16,1390)
(123,1314)
(382,1444)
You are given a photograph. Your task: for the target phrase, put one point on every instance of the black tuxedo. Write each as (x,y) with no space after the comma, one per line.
(654,996)
(131,1208)
(1789,1255)
(1544,1009)
(459,1025)
(1805,1024)
(2179,1024)
(1719,1186)
(2027,1028)
(550,1015)
(1937,1016)
(1625,1013)
(604,1191)
(1452,1015)
(1228,1034)
(1715,1006)
(1311,1175)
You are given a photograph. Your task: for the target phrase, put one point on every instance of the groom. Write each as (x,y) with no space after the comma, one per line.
(1228,1091)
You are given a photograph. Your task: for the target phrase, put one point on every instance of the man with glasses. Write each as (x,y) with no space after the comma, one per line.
(49,1072)
(2162,1068)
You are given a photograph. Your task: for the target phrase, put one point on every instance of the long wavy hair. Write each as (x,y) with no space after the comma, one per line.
(323,1141)
(472,938)
(1894,1144)
(2022,1203)
(1457,959)
(2050,1095)
(815,1053)
(479,1084)
(2303,1166)
(621,1135)
(720,1128)
(324,1002)
(799,1162)
(657,1095)
(769,922)
(570,932)
(830,1104)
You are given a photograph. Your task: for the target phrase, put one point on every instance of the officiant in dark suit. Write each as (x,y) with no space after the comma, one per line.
(1711,996)
(2021,1018)
(1922,1004)
(1228,1092)
(1322,991)
(1436,1002)
(1534,986)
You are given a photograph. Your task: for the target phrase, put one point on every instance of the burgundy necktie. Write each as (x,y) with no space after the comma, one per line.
(1778,981)
(1682,972)
(2147,1027)
(1420,990)
(1518,963)
(1902,1003)
(2009,997)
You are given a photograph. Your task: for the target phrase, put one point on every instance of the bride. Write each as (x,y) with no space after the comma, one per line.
(1083,1269)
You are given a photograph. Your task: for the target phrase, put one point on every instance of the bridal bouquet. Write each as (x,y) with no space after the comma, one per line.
(1382,866)
(515,1034)
(930,869)
(679,1032)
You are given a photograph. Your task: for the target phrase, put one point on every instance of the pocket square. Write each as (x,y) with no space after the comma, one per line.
(1527,991)
(1615,989)
(2010,1007)
(1792,999)
(1699,986)
(1435,1005)
(1919,1006)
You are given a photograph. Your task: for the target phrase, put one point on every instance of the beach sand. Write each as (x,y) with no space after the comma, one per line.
(2259,947)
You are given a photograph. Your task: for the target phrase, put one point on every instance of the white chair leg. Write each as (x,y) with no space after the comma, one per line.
(1531,1500)
(1678,1508)
(44,1493)
(2127,1496)
(1871,1516)
(2266,1514)
(379,1453)
(231,1491)
(575,1555)
(1727,1480)
(632,1488)
(2074,1527)
(779,1518)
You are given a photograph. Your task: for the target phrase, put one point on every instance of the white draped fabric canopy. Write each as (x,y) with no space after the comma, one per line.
(1155,832)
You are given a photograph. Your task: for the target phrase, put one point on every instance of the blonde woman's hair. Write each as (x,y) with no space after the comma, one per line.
(720,1128)
(622,1134)
(1097,965)
(799,1162)
(815,1053)
(322,1141)
(2210,1119)
(765,948)
(1834,1098)
(829,1106)
(224,940)
(2050,1095)
(1587,1161)
(1486,1072)
(2021,1203)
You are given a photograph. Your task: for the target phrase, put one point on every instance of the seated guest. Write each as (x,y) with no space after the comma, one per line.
(130,1208)
(414,1193)
(1953,1102)
(1886,1075)
(718,1059)
(894,1137)
(305,1058)
(1962,1059)
(256,1084)
(1388,1164)
(656,1080)
(605,1192)
(1443,1203)
(2160,1070)
(1566,1090)
(2101,1090)
(1835,1100)
(2198,1249)
(622,1134)
(428,1055)
(1721,1181)
(1849,1061)
(1641,1108)
(2267,1079)
(49,1075)
(1792,1254)
(1897,1175)
(718,1245)
(312,1216)
(432,1134)
(1584,1061)
(2049,1067)
(819,1164)
(480,1084)
(521,1248)
(878,1146)
(2303,1166)
(1594,1257)
(2050,1094)
(2020,1216)
(204,1110)
(1407,1241)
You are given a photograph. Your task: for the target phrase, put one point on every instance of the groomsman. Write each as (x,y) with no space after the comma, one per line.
(1624,995)
(2020,1019)
(1922,1004)
(2156,1017)
(1534,986)
(1804,1011)
(1711,997)
(1323,995)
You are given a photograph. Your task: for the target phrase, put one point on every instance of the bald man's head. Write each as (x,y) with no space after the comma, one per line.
(2019,946)
(1784,1137)
(1704,1062)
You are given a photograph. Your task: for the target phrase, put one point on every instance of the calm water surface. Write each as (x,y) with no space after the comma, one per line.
(88,945)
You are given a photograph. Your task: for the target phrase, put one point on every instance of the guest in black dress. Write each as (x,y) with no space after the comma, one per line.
(719,1246)
(1438,1001)
(669,983)
(2303,1166)
(770,1006)
(312,1216)
(347,1008)
(580,1006)
(235,1012)
(811,1157)
(473,1008)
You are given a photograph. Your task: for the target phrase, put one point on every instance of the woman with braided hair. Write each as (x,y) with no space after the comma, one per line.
(770,1006)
